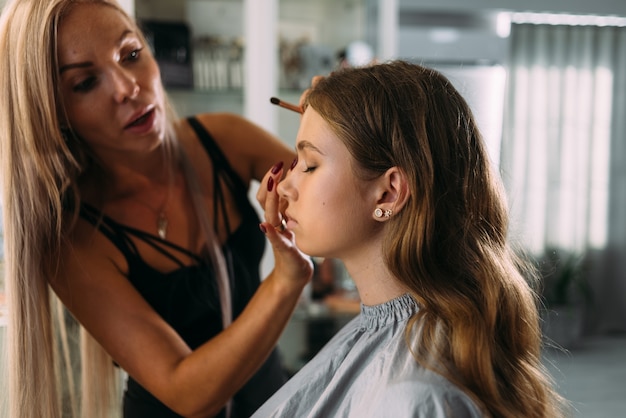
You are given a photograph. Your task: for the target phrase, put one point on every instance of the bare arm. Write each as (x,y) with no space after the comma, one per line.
(192,383)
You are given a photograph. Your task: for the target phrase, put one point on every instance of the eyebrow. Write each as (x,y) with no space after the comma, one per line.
(76,65)
(87,64)
(304,145)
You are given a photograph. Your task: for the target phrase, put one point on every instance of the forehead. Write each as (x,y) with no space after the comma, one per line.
(87,25)
(313,132)
(316,136)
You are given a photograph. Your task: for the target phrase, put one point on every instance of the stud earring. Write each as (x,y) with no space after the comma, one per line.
(379,213)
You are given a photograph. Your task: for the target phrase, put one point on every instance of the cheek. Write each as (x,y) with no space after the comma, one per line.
(153,75)
(86,108)
(331,224)
(83,118)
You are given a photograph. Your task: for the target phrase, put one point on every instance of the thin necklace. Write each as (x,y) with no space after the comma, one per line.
(162,222)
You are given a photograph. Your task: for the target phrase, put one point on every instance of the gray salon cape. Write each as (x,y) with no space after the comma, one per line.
(366,370)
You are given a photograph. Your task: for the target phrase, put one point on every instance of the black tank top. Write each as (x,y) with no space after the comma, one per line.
(187,297)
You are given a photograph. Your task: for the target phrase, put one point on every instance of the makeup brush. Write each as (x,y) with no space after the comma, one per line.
(292,107)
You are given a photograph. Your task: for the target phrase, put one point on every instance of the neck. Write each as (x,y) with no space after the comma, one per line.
(138,176)
(373,280)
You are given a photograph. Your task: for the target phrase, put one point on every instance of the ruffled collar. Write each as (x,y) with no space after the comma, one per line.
(395,310)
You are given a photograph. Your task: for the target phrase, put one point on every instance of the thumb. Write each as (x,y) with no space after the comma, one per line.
(291,262)
(279,239)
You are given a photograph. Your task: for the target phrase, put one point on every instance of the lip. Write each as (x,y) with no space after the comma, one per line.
(148,113)
(290,221)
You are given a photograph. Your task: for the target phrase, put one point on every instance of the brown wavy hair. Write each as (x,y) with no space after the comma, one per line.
(478,323)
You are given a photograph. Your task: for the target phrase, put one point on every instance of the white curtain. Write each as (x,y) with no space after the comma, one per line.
(563,154)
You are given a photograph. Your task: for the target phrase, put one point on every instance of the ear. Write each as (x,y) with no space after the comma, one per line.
(392,190)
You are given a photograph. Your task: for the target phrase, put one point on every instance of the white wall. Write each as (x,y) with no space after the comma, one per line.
(603,7)
(331,23)
(600,7)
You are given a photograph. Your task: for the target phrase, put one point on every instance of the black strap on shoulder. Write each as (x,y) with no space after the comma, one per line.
(221,170)
(118,234)
(103,224)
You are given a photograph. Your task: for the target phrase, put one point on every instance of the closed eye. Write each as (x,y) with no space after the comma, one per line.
(85,85)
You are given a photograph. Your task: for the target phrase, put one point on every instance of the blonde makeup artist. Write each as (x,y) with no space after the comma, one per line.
(138,222)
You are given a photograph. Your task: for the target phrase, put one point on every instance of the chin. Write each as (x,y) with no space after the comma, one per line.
(313,251)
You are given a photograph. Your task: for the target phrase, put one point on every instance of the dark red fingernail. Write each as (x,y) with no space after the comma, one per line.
(263,228)
(293,163)
(277,167)
(270,184)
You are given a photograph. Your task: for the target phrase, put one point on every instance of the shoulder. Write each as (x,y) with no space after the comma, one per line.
(221,120)
(221,127)
(86,256)
(231,131)
(250,149)
(86,242)
(220,123)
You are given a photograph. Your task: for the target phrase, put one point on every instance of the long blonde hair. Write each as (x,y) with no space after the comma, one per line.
(41,164)
(478,321)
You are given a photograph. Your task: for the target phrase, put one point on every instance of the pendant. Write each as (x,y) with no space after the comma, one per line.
(162,225)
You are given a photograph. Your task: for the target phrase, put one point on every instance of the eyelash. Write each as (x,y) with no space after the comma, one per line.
(89,82)
(85,85)
(309,169)
(134,55)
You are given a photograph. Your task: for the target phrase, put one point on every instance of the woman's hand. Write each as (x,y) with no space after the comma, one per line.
(290,262)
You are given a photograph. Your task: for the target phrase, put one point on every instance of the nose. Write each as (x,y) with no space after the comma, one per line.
(285,188)
(125,85)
